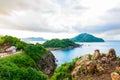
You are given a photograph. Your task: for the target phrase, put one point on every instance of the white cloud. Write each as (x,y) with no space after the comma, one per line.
(59,16)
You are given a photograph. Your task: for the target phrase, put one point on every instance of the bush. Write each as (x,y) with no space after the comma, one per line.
(61,76)
(63,72)
(35,51)
(89,56)
(32,74)
(19,67)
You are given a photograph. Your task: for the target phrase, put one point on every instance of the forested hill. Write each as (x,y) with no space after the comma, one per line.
(84,37)
(57,43)
(34,62)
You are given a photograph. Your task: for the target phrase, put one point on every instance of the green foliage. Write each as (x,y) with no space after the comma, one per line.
(14,41)
(18,67)
(117,71)
(1,41)
(75,59)
(63,71)
(21,66)
(83,70)
(21,60)
(74,79)
(35,51)
(61,76)
(84,37)
(9,71)
(57,43)
(89,56)
(32,74)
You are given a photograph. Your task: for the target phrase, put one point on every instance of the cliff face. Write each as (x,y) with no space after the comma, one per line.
(47,63)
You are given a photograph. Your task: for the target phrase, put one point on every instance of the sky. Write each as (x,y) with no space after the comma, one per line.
(60,18)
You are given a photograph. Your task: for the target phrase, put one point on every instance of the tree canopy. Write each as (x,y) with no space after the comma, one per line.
(22,65)
(57,43)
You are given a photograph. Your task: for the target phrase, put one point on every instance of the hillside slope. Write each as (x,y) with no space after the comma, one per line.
(84,37)
(32,63)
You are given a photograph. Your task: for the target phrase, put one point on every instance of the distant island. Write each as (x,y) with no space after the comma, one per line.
(84,37)
(56,44)
(34,39)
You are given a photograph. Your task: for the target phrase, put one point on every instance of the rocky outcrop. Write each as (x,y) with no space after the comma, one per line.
(90,67)
(47,63)
(4,46)
(100,69)
(100,65)
(96,54)
(111,54)
(115,76)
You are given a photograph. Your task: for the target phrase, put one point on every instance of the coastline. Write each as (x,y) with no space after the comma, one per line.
(70,47)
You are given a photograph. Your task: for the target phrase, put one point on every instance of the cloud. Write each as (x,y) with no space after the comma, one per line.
(59,16)
(39,15)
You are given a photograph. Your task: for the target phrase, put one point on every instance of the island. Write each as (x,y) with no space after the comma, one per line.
(57,44)
(85,37)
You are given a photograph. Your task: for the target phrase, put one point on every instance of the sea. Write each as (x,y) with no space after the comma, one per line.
(68,55)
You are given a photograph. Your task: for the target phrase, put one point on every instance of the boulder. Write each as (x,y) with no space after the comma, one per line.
(96,54)
(82,61)
(118,68)
(115,76)
(76,71)
(111,54)
(90,67)
(104,60)
(100,69)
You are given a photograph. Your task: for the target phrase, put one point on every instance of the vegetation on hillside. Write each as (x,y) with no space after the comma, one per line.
(13,41)
(64,71)
(22,65)
(84,37)
(18,67)
(57,43)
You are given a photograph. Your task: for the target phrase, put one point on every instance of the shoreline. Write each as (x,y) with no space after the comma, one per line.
(70,47)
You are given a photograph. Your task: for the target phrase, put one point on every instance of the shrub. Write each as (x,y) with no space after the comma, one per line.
(63,72)
(89,56)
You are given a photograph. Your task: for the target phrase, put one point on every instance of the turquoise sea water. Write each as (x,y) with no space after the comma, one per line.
(88,48)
